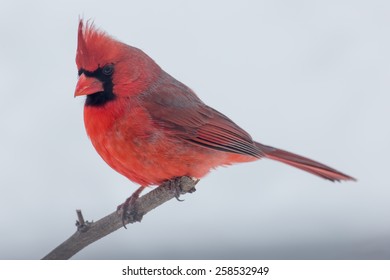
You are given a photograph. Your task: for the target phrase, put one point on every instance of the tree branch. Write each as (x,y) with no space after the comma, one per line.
(89,232)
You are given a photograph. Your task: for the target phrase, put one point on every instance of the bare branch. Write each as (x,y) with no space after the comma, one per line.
(89,232)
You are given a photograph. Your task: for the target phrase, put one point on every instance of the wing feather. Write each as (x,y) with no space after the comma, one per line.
(175,107)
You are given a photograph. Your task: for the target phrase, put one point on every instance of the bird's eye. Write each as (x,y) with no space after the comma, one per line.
(108,69)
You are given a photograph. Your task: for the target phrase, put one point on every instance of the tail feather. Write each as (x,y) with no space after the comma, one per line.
(303,163)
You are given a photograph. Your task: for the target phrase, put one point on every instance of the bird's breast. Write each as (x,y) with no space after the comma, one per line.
(132,144)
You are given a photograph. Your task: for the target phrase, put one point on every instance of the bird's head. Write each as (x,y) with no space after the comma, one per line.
(109,69)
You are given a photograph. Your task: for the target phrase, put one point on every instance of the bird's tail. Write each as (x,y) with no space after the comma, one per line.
(303,163)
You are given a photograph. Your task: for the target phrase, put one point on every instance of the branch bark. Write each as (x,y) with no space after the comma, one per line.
(89,232)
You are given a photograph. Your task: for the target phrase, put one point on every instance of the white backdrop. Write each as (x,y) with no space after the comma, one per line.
(312,78)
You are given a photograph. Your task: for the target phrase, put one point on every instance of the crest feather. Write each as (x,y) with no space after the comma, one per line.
(94,46)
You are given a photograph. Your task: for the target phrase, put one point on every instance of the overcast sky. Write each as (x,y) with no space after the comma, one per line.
(311,77)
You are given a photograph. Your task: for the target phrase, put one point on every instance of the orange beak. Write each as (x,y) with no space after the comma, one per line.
(87,85)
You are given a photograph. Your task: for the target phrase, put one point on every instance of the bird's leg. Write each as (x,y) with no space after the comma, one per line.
(129,203)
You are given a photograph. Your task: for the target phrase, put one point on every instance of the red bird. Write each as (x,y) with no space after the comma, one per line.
(151,128)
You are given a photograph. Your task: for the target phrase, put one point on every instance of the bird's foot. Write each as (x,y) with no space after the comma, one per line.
(128,207)
(175,183)
(177,192)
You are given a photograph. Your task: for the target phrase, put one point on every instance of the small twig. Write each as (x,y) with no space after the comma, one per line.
(80,221)
(92,232)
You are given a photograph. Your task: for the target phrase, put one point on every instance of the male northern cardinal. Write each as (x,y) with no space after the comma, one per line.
(151,128)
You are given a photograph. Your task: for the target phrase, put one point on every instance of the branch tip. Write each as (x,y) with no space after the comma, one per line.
(89,232)
(80,218)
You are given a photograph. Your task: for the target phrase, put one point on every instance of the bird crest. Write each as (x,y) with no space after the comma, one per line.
(94,47)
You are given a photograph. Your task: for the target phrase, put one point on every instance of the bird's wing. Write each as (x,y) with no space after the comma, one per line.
(177,109)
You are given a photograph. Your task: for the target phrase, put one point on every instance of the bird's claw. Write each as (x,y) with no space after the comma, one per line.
(176,184)
(128,207)
(177,192)
(125,207)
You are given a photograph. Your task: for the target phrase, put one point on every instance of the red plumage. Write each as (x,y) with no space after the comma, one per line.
(150,127)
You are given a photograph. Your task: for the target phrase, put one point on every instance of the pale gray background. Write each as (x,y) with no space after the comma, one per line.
(311,77)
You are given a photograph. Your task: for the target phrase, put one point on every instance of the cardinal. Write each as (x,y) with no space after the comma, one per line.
(151,128)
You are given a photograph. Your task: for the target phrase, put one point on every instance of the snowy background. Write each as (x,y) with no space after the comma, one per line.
(312,77)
